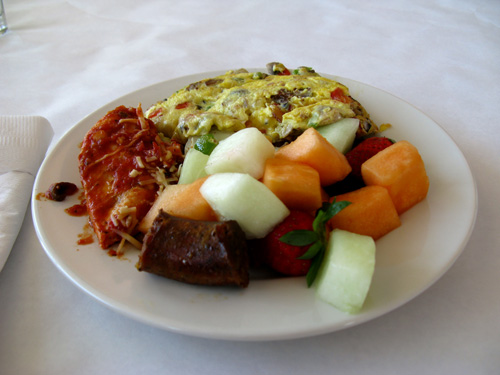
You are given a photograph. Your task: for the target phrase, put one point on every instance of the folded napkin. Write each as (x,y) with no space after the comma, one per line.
(23,143)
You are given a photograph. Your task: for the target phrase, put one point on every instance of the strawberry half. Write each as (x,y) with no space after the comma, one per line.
(283,257)
(364,151)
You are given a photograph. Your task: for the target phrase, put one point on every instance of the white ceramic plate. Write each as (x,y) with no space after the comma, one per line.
(409,259)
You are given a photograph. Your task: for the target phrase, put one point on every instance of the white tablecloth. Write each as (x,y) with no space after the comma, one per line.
(64,59)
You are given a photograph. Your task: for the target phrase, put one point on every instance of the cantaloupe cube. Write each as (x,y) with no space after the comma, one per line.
(371,212)
(297,185)
(313,149)
(400,169)
(182,200)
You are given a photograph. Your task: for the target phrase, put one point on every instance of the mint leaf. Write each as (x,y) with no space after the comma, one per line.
(313,270)
(334,208)
(324,214)
(313,250)
(317,237)
(300,237)
(319,222)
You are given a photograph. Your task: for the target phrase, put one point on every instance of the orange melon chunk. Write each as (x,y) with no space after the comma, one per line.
(371,212)
(313,149)
(183,200)
(297,185)
(400,169)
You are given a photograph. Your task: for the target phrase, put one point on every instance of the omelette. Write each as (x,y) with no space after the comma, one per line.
(280,103)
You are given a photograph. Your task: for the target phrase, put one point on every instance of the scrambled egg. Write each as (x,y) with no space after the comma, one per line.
(281,104)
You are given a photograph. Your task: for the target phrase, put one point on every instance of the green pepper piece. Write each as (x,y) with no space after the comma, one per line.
(206,144)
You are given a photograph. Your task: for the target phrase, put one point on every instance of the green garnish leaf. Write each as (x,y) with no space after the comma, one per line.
(312,251)
(317,237)
(329,210)
(314,269)
(300,237)
(206,143)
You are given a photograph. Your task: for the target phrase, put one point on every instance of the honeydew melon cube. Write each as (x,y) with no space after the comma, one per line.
(340,134)
(240,197)
(346,272)
(193,166)
(245,151)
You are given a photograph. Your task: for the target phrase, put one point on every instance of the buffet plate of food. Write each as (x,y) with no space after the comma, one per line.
(409,259)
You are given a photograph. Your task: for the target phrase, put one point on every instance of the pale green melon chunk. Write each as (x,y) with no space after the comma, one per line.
(245,151)
(193,166)
(346,272)
(340,134)
(240,197)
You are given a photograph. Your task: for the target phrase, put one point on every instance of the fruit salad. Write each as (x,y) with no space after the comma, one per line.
(282,200)
(282,170)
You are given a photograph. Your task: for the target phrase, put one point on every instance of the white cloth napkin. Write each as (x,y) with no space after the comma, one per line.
(23,143)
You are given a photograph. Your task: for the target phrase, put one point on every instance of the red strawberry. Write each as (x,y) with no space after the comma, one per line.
(283,257)
(364,151)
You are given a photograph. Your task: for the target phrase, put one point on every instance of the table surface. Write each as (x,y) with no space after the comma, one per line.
(64,59)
